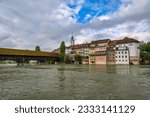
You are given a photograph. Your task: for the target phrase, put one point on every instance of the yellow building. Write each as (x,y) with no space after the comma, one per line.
(97,52)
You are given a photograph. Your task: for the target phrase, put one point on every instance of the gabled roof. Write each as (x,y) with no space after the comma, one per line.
(100,41)
(113,42)
(123,41)
(79,46)
(127,40)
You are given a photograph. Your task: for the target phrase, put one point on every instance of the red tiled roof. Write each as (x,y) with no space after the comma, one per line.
(100,41)
(79,46)
(127,40)
(123,41)
(113,42)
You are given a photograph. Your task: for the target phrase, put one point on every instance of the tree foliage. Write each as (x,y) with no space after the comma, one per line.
(62,51)
(66,59)
(145,53)
(37,48)
(78,58)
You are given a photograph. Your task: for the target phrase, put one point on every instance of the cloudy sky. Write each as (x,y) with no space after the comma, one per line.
(27,23)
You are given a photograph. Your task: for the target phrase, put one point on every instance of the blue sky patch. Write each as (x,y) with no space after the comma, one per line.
(94,8)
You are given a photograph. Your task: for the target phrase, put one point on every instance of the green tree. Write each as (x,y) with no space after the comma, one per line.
(37,48)
(62,51)
(66,59)
(78,58)
(145,53)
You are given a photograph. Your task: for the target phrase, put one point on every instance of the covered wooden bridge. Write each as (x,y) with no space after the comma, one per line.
(26,55)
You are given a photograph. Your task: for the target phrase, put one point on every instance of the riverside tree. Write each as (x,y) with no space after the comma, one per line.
(145,53)
(37,48)
(62,51)
(78,59)
(66,59)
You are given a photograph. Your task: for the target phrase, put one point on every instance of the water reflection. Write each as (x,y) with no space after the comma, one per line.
(123,69)
(117,69)
(75,82)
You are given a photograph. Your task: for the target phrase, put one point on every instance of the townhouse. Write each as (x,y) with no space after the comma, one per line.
(128,50)
(97,51)
(124,51)
(111,57)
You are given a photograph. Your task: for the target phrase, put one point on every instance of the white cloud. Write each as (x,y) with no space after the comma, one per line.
(105,17)
(80,39)
(61,13)
(26,23)
(87,17)
(136,7)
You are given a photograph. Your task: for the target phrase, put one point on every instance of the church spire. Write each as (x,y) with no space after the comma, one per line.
(72,40)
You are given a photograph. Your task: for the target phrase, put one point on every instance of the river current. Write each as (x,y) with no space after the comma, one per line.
(92,82)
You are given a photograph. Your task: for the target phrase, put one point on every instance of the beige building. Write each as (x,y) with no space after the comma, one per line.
(111,58)
(97,52)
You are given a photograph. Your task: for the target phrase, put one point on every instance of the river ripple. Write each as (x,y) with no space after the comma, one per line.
(44,82)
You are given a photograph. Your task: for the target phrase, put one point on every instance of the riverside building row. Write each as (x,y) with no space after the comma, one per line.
(106,51)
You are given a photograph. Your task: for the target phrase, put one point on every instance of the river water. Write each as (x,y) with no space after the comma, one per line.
(45,82)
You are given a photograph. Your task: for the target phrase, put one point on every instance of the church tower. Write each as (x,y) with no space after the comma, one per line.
(72,40)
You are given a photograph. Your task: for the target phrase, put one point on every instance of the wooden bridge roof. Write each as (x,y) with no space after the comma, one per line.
(17,52)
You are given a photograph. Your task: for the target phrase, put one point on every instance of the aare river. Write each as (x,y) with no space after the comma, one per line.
(89,82)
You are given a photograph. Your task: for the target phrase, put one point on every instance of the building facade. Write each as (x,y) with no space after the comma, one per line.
(132,49)
(122,56)
(97,51)
(124,51)
(111,57)
(78,49)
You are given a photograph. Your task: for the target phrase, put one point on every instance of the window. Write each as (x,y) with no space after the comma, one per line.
(119,56)
(122,52)
(125,56)
(122,56)
(125,52)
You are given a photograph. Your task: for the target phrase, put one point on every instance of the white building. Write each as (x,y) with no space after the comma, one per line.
(122,55)
(68,50)
(134,52)
(127,48)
